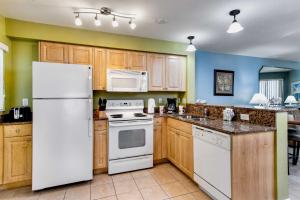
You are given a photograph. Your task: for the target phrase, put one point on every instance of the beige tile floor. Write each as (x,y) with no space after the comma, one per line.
(161,182)
(294,182)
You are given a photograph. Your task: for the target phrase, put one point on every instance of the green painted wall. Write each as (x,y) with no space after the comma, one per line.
(7,62)
(27,32)
(23,53)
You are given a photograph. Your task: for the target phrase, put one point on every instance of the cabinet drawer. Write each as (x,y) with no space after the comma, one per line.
(17,130)
(180,125)
(157,121)
(100,125)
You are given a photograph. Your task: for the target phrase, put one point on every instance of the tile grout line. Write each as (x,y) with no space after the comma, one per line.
(114,187)
(137,186)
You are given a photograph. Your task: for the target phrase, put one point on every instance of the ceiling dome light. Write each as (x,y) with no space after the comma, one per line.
(132,24)
(97,21)
(234,26)
(191,47)
(114,22)
(78,21)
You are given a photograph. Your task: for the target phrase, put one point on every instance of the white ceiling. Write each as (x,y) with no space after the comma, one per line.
(272,27)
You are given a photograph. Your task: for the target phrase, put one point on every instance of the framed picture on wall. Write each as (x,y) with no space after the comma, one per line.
(295,89)
(223,83)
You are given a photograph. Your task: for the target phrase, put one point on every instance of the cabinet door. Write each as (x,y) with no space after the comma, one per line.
(156,72)
(1,154)
(17,159)
(81,55)
(99,69)
(186,159)
(100,149)
(164,146)
(53,52)
(117,59)
(173,146)
(175,73)
(137,61)
(157,142)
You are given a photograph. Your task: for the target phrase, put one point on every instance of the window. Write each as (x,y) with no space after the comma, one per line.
(1,80)
(271,88)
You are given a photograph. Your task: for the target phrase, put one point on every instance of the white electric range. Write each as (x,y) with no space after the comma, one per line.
(130,136)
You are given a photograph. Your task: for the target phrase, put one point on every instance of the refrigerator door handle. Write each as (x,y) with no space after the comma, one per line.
(90,81)
(89,117)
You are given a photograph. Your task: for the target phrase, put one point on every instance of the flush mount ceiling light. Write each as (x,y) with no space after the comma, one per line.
(104,11)
(191,47)
(234,26)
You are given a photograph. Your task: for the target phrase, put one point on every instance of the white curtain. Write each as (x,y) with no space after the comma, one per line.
(271,88)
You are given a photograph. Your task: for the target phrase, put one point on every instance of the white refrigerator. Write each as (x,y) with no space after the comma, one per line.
(62,124)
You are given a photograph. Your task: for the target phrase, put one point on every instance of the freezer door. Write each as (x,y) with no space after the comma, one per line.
(62,142)
(55,80)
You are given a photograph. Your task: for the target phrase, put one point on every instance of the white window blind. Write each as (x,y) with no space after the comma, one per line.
(1,80)
(271,88)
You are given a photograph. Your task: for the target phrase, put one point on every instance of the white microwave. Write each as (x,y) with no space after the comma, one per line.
(126,81)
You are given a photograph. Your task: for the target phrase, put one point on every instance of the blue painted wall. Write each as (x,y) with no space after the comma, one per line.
(246,75)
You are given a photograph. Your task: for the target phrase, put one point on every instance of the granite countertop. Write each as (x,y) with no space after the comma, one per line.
(233,127)
(14,123)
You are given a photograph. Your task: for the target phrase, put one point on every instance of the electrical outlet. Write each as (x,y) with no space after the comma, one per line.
(25,102)
(245,117)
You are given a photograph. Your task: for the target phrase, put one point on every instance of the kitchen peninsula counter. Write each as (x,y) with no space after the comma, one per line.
(233,127)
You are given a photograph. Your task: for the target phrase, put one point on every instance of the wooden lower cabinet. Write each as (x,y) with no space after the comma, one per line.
(180,145)
(17,159)
(159,139)
(100,145)
(1,154)
(253,166)
(186,156)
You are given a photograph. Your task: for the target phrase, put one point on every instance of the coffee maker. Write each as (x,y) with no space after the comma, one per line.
(171,107)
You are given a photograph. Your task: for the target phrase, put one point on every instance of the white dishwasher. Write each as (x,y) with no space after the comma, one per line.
(212,162)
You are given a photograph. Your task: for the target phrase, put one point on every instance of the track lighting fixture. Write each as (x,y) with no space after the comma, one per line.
(115,23)
(234,26)
(191,47)
(104,11)
(97,21)
(132,24)
(78,21)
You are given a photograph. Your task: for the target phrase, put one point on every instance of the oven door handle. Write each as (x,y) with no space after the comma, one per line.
(131,123)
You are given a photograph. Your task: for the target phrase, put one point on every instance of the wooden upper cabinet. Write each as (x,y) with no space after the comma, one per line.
(137,61)
(53,52)
(81,55)
(117,59)
(175,73)
(156,72)
(99,69)
(17,159)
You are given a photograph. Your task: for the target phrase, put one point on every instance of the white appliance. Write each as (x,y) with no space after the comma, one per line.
(212,162)
(130,136)
(62,124)
(127,81)
(151,105)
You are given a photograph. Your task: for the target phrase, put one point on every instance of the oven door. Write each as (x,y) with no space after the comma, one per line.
(130,138)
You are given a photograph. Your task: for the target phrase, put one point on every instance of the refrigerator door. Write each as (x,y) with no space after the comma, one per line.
(55,80)
(62,142)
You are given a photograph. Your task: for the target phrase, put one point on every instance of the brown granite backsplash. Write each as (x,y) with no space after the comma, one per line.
(256,116)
